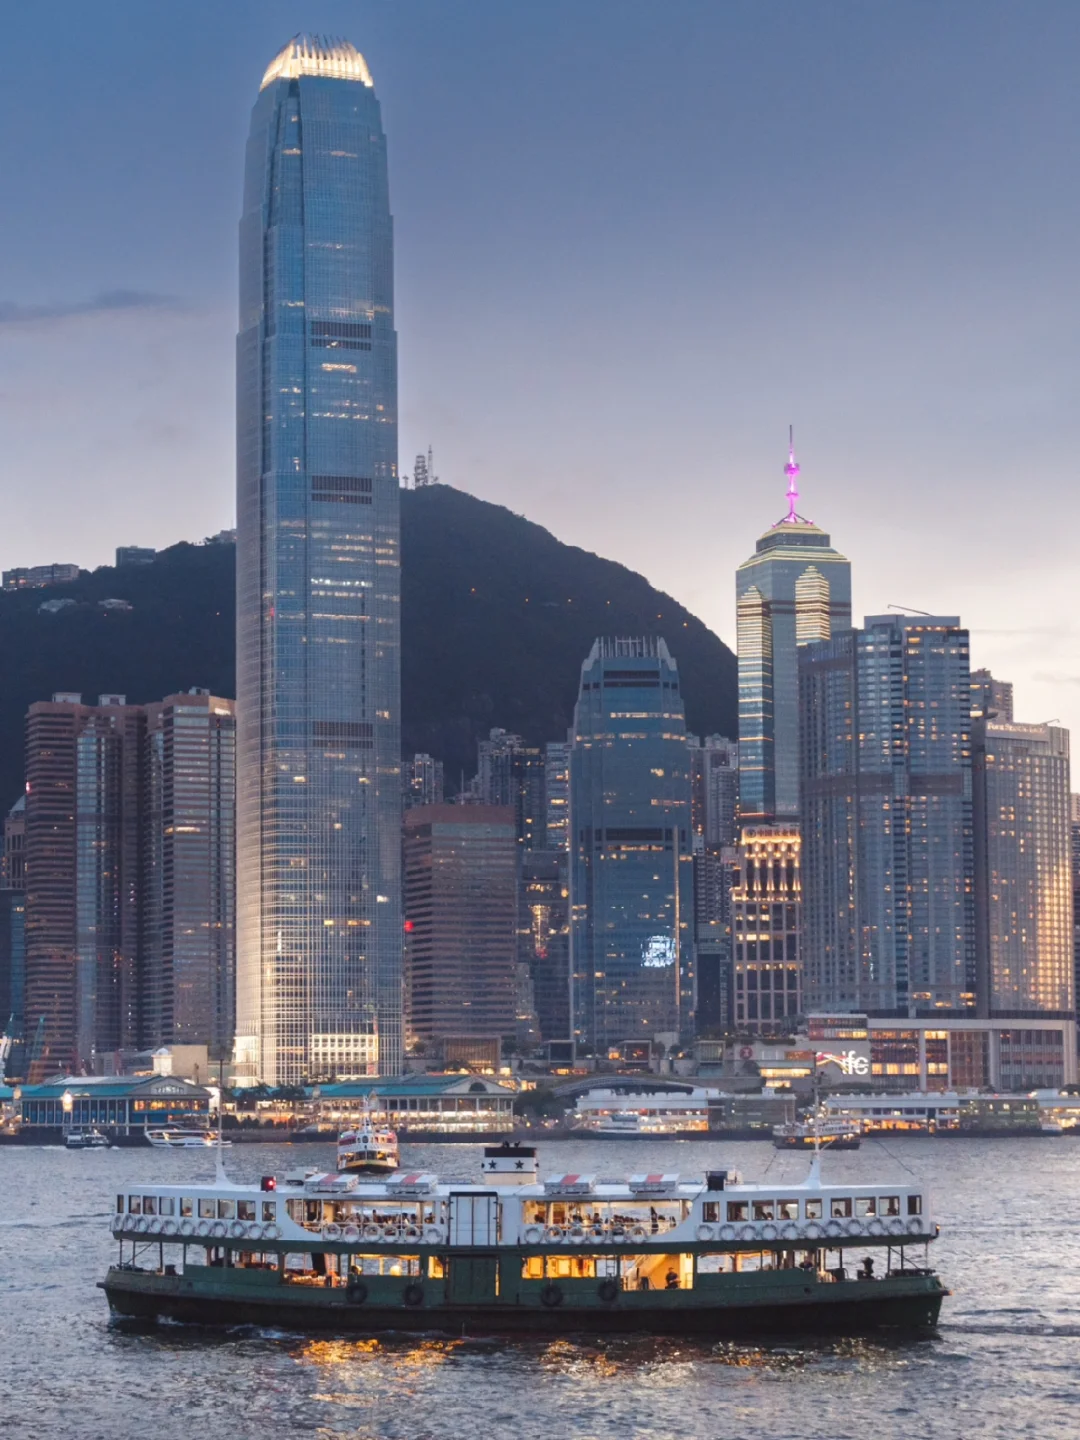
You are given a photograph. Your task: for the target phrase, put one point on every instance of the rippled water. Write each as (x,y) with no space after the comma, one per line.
(1004,1364)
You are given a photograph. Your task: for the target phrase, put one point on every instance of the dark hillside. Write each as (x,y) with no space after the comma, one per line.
(497,616)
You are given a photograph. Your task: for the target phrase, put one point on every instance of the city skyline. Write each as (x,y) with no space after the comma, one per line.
(905,301)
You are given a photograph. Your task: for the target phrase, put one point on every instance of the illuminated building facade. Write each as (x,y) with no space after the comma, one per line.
(887,864)
(319,968)
(1023,870)
(793,590)
(544,938)
(631,855)
(766,901)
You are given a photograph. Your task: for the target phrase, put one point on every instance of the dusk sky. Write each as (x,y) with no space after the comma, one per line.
(634,241)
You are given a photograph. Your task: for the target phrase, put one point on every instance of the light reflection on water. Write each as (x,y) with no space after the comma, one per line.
(1001,1366)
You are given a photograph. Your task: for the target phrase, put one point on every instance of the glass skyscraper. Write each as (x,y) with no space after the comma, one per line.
(319,948)
(631,848)
(794,589)
(887,840)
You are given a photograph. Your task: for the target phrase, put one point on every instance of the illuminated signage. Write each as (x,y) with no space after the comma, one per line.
(658,952)
(849,1061)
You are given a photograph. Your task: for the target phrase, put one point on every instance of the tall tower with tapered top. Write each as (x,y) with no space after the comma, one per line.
(794,588)
(318,631)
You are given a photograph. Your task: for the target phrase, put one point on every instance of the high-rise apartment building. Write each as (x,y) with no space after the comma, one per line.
(631,851)
(887,859)
(557,793)
(714,789)
(509,772)
(188,956)
(991,699)
(1074,851)
(84,775)
(461,867)
(544,937)
(422,782)
(13,942)
(1023,871)
(793,590)
(319,967)
(766,900)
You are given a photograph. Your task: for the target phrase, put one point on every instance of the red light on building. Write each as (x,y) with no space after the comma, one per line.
(408,926)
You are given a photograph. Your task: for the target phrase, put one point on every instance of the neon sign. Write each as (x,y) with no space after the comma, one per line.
(849,1061)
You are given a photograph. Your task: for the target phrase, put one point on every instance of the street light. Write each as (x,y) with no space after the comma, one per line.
(67,1100)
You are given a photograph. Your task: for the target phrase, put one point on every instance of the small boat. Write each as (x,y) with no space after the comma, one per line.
(526,1254)
(818,1133)
(367,1148)
(185,1139)
(86,1140)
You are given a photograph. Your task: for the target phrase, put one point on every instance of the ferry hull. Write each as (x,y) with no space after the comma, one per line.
(848,1308)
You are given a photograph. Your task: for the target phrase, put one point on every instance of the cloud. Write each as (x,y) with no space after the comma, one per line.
(109,302)
(1046,679)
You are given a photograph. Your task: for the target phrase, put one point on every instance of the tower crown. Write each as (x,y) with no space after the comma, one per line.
(331,58)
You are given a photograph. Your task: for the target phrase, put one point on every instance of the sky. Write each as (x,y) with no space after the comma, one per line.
(634,242)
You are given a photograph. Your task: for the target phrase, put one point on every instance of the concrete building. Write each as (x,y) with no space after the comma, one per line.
(557,794)
(38,577)
(1023,871)
(766,906)
(509,772)
(793,590)
(991,699)
(422,781)
(461,922)
(889,925)
(134,555)
(631,851)
(544,937)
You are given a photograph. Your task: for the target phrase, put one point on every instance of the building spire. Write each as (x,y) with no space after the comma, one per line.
(791,470)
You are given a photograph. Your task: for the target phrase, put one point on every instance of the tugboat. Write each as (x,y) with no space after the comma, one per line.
(86,1140)
(517,1253)
(367,1149)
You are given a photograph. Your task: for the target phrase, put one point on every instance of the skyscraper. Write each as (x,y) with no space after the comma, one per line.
(631,856)
(886,820)
(188,955)
(765,905)
(1023,870)
(318,585)
(794,589)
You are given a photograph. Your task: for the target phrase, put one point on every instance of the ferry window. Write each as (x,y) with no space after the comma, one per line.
(715,1264)
(134,1204)
(710,1211)
(149,1205)
(914,1204)
(435,1267)
(864,1207)
(207,1210)
(269,1210)
(165,1205)
(738,1210)
(226,1209)
(787,1209)
(533,1268)
(245,1209)
(890,1204)
(119,1204)
(841,1207)
(763,1209)
(185,1205)
(813,1210)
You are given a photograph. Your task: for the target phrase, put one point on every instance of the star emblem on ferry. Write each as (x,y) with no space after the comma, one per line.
(518,1164)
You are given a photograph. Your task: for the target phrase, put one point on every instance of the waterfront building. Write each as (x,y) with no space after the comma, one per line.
(126,1106)
(188,954)
(544,937)
(1023,870)
(443,1104)
(991,699)
(1074,852)
(84,783)
(631,853)
(461,867)
(319,952)
(423,782)
(557,793)
(794,589)
(766,904)
(887,859)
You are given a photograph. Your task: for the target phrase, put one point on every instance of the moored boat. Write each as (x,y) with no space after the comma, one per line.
(517,1253)
(171,1139)
(86,1140)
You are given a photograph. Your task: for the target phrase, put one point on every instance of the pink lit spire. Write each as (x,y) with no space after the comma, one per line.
(791,470)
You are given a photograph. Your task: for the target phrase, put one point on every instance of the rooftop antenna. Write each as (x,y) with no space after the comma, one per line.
(910,610)
(791,470)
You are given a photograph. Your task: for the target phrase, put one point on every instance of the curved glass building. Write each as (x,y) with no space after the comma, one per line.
(318,680)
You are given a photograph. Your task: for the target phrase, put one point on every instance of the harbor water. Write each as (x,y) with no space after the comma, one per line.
(1003,1363)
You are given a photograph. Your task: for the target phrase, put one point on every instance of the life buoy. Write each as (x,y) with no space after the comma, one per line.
(412,1232)
(854,1227)
(576,1234)
(748,1232)
(155,1226)
(356,1292)
(142,1224)
(769,1231)
(555,1232)
(238,1229)
(218,1229)
(203,1227)
(618,1237)
(390,1232)
(727,1232)
(834,1228)
(533,1234)
(271,1232)
(896,1227)
(705,1232)
(551,1296)
(413,1295)
(351,1232)
(813,1230)
(876,1227)
(168,1227)
(790,1231)
(639,1233)
(915,1225)
(371,1232)
(597,1233)
(608,1290)
(432,1235)
(331,1232)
